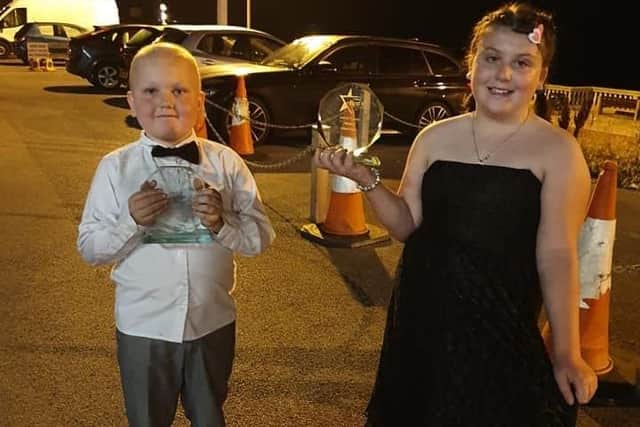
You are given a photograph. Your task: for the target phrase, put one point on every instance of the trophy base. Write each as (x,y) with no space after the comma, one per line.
(197,236)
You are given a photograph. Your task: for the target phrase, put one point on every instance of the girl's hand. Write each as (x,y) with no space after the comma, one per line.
(575,378)
(340,162)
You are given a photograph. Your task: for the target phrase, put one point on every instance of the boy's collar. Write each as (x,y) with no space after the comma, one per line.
(146,140)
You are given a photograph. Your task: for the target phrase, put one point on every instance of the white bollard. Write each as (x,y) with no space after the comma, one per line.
(320,191)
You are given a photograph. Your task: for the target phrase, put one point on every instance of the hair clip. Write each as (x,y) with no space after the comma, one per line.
(535,36)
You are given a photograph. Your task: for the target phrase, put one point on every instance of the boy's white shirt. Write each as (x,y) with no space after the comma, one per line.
(171,292)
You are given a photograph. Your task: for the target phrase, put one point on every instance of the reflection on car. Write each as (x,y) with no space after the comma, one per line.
(55,34)
(98,56)
(416,82)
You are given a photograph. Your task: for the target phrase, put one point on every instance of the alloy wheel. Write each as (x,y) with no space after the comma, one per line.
(108,77)
(433,113)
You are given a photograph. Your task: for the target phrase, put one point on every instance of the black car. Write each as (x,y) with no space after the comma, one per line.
(416,82)
(98,56)
(55,34)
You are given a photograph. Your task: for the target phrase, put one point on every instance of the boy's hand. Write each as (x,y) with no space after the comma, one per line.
(207,205)
(148,203)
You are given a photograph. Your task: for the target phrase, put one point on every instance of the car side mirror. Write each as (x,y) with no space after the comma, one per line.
(324,67)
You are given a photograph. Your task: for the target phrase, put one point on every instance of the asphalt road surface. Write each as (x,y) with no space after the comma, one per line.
(310,318)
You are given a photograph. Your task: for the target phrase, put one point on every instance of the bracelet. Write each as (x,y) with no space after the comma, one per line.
(374,184)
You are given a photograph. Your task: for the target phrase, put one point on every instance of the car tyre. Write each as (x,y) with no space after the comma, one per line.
(260,122)
(106,76)
(433,112)
(5,49)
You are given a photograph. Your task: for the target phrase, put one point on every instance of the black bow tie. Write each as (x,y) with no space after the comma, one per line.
(188,152)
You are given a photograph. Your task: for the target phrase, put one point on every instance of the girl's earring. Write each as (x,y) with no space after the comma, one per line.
(468,75)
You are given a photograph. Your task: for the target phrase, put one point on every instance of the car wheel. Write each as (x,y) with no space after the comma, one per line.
(106,76)
(260,121)
(5,49)
(432,113)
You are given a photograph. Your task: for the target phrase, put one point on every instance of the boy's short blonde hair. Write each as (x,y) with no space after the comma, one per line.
(161,50)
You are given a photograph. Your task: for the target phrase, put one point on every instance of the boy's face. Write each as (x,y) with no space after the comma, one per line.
(165,97)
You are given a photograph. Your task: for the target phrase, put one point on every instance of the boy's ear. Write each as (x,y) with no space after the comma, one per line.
(132,104)
(201,100)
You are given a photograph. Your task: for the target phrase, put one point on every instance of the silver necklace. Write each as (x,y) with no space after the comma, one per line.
(486,156)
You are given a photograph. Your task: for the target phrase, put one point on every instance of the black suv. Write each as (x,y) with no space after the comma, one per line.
(416,82)
(98,56)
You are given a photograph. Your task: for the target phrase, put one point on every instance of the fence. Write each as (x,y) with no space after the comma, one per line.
(604,100)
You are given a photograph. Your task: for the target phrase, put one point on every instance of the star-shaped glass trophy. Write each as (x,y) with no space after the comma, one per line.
(177,224)
(351,116)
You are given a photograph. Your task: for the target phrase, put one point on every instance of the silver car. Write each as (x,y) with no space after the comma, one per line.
(211,44)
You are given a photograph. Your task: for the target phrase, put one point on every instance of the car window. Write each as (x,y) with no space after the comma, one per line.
(126,35)
(216,44)
(171,35)
(16,17)
(401,60)
(58,31)
(441,65)
(260,47)
(354,60)
(44,29)
(142,37)
(71,31)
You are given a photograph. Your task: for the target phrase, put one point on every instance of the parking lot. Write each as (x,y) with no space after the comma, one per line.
(310,318)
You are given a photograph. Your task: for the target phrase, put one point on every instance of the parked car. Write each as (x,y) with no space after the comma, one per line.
(416,82)
(98,56)
(220,43)
(212,44)
(55,34)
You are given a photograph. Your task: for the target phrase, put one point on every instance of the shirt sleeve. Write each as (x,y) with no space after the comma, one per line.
(247,229)
(107,232)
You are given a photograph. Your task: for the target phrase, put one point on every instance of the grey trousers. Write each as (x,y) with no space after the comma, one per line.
(155,373)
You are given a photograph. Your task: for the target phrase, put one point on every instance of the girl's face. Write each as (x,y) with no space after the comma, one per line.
(506,71)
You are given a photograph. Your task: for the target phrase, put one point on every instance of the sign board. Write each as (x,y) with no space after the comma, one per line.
(37,50)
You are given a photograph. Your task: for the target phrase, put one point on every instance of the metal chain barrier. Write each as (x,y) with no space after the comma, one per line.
(632,268)
(308,150)
(392,117)
(261,165)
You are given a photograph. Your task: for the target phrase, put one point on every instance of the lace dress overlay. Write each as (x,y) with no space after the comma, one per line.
(461,345)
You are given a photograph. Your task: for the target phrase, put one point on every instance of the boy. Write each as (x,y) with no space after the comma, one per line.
(175,316)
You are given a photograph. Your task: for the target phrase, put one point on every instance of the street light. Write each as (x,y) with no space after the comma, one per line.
(163,14)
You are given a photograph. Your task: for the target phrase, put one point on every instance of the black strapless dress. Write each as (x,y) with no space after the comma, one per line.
(462,346)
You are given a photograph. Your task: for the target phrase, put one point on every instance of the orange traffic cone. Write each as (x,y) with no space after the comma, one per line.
(240,130)
(595,251)
(345,216)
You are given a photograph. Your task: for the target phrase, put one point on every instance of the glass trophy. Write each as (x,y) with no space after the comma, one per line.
(351,116)
(177,224)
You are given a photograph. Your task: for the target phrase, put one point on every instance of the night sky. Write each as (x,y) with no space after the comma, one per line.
(588,31)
